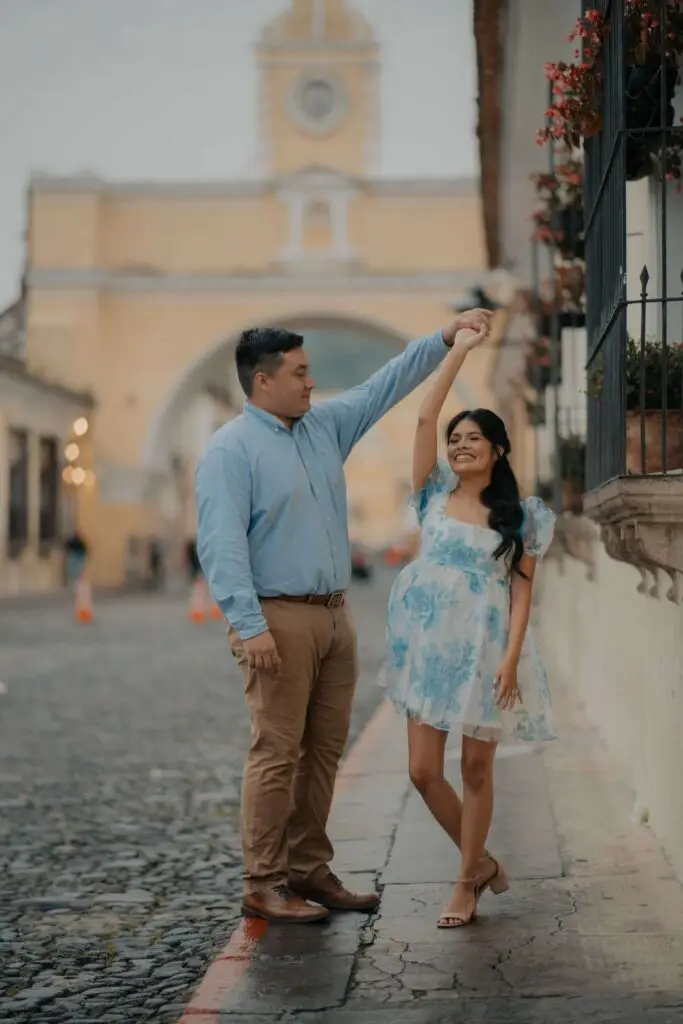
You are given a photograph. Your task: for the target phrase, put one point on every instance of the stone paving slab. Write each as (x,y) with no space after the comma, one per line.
(611,1010)
(591,929)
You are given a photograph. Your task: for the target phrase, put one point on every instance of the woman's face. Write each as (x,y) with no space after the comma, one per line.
(469,453)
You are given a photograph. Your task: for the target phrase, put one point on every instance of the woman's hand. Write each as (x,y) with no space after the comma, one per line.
(470,320)
(507,688)
(467,338)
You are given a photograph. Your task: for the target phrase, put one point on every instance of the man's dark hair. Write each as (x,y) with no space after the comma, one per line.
(260,350)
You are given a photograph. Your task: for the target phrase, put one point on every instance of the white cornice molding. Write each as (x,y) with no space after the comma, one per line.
(248,189)
(316,178)
(299,56)
(254,189)
(430,188)
(227,284)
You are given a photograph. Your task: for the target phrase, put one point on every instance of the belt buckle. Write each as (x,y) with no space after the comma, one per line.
(336,599)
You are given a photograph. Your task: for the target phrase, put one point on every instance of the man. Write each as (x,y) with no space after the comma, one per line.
(273,543)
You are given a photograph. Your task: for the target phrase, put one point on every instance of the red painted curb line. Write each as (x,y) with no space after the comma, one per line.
(230,966)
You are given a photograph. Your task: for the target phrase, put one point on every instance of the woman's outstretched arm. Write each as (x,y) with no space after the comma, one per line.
(425,448)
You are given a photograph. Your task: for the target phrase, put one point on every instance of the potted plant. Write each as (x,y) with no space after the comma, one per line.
(576,111)
(645,364)
(559,218)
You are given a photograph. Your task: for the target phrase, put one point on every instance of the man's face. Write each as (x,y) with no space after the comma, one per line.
(287,391)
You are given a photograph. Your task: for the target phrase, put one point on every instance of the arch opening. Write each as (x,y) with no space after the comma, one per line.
(344,351)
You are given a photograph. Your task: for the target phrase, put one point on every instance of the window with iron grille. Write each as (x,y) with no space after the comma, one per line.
(18,492)
(49,491)
(634,297)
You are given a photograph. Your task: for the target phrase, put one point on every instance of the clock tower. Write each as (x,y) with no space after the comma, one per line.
(319,91)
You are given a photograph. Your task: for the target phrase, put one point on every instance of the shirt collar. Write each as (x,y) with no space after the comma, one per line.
(271,421)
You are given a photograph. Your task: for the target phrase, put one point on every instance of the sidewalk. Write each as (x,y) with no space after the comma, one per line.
(591,929)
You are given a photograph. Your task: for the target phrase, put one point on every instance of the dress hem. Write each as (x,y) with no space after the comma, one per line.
(485,733)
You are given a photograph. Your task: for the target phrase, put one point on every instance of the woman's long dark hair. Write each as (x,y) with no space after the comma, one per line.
(501,496)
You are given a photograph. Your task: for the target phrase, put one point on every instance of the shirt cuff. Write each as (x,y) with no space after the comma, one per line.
(251,627)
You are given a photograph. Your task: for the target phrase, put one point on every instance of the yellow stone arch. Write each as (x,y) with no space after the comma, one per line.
(137,291)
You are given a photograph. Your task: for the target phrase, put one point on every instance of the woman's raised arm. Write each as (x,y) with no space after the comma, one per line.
(425,447)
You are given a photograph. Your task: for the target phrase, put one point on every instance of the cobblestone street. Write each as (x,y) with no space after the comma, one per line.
(121,747)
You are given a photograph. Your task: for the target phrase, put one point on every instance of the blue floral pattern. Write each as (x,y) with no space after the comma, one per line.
(448,624)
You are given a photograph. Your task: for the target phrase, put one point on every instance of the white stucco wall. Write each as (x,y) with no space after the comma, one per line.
(623,652)
(535,32)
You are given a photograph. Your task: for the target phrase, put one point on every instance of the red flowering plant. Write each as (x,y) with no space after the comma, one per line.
(559,218)
(570,287)
(575,113)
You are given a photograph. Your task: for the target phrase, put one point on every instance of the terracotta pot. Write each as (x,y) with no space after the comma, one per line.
(653,441)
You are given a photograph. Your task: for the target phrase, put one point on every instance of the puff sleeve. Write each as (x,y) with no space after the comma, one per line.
(538,527)
(440,481)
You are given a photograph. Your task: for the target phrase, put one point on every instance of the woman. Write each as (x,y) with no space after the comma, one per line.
(459,651)
(76,551)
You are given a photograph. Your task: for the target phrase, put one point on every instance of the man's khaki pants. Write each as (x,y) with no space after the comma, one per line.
(299,726)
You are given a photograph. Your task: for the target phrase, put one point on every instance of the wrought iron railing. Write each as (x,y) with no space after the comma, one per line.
(634,383)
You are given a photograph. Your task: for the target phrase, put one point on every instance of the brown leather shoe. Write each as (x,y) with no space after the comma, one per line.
(279,903)
(330,892)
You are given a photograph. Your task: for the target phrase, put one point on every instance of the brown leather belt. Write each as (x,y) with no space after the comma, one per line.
(335,600)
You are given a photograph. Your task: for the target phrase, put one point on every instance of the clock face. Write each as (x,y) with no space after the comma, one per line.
(317,100)
(318,103)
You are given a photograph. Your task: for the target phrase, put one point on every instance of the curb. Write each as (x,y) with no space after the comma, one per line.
(231,964)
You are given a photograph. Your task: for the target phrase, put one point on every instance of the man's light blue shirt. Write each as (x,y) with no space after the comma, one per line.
(271,502)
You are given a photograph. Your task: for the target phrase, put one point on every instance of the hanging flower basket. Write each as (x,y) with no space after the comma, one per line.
(576,111)
(558,220)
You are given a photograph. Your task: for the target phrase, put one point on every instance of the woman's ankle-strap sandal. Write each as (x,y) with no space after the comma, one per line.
(454,919)
(497,881)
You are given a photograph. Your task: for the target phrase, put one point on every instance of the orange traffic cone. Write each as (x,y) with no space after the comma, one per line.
(84,610)
(195,612)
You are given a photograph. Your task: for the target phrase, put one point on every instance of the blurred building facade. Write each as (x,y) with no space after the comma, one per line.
(588,407)
(136,293)
(37,506)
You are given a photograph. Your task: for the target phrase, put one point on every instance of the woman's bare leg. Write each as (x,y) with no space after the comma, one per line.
(477,812)
(427,747)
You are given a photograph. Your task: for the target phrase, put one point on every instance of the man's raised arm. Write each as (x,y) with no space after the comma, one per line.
(357,410)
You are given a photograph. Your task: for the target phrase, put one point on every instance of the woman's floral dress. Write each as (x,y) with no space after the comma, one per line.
(448,622)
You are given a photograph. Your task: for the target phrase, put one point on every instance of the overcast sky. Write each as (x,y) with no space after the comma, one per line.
(166,89)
